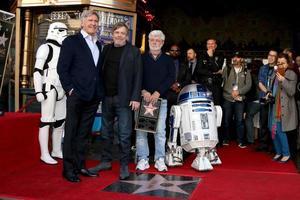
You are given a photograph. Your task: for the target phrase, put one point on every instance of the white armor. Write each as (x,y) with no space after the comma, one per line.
(197,120)
(50,93)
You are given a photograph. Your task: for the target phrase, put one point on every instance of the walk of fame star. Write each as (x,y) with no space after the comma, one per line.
(159,183)
(3,39)
(165,186)
(150,109)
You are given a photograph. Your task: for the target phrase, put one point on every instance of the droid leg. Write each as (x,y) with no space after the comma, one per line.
(43,139)
(213,157)
(174,152)
(201,162)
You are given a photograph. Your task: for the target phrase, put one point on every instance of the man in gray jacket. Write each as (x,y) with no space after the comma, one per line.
(237,82)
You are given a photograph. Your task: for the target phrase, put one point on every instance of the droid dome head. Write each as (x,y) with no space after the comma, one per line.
(194,91)
(57,31)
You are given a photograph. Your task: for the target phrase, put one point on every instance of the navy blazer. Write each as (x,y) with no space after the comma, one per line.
(130,73)
(77,70)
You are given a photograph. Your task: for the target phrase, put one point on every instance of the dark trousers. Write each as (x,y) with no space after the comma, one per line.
(216,92)
(292,137)
(251,109)
(78,125)
(110,110)
(264,136)
(235,109)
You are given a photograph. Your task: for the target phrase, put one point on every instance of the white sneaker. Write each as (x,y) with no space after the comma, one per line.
(142,165)
(160,165)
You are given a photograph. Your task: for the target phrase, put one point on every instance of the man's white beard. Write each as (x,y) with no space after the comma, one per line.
(157,48)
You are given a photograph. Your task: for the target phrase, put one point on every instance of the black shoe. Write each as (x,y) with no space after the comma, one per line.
(85,172)
(242,146)
(124,174)
(71,177)
(101,167)
(225,143)
(261,148)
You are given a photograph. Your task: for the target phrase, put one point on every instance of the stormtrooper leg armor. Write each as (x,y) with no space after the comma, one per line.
(50,109)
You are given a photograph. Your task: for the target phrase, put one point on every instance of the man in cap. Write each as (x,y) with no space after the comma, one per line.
(237,82)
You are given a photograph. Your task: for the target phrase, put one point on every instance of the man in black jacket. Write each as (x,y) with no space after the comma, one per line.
(209,72)
(79,71)
(122,70)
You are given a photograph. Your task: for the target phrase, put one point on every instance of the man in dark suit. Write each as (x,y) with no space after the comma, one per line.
(122,70)
(80,74)
(187,71)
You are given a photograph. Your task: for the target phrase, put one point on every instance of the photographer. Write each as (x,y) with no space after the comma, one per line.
(265,77)
(283,115)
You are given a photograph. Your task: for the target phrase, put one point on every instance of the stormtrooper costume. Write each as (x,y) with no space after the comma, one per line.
(196,118)
(50,93)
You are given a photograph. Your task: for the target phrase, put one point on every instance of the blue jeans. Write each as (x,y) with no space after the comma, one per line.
(280,141)
(235,109)
(142,147)
(111,109)
(251,110)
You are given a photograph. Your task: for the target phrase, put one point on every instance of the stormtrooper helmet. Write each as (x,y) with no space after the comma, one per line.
(57,31)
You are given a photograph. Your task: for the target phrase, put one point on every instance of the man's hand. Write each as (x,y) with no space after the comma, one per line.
(210,52)
(175,87)
(235,93)
(70,92)
(218,72)
(154,97)
(40,97)
(134,105)
(279,77)
(146,95)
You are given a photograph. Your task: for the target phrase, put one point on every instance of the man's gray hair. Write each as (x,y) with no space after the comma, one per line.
(86,13)
(158,33)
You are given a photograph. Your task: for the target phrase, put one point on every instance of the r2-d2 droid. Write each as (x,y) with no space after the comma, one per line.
(197,120)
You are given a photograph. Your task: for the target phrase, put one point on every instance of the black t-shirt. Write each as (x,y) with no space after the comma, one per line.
(111,70)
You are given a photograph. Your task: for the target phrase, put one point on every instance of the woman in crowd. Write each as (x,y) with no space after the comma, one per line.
(283,114)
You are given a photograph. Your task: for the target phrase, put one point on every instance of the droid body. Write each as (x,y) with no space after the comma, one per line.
(196,119)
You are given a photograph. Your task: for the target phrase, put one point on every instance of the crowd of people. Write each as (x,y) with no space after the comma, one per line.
(119,76)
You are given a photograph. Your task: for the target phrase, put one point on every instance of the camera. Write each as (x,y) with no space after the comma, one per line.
(269,100)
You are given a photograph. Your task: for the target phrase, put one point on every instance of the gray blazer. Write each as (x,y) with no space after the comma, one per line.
(289,116)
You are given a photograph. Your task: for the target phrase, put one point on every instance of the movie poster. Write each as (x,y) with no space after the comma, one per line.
(107,21)
(6,30)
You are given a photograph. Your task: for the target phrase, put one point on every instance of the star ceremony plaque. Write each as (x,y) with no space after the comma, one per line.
(147,117)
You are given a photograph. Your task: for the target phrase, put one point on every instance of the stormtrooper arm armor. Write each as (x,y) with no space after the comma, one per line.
(38,75)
